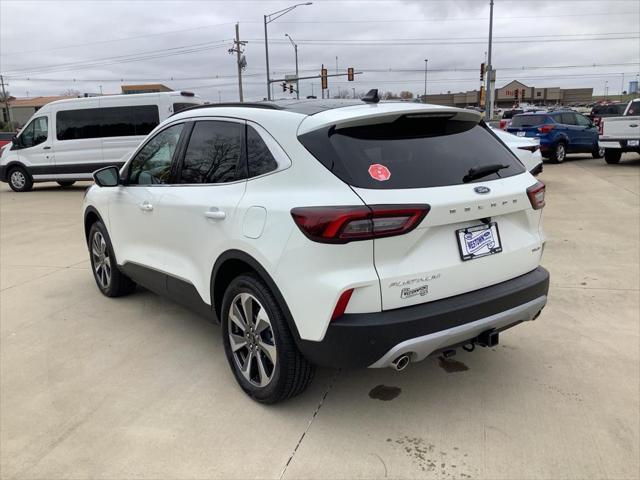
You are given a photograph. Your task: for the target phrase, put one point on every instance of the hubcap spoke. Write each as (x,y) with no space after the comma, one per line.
(262,321)
(262,373)
(247,308)
(237,342)
(236,317)
(269,350)
(246,368)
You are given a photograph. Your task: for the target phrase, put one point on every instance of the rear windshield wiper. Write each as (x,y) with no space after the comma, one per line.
(479,172)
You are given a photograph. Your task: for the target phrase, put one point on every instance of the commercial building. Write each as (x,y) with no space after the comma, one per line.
(514,92)
(23,108)
(149,88)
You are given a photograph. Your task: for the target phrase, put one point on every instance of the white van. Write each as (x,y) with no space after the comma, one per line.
(67,140)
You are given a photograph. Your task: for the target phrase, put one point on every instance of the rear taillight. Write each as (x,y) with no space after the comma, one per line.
(530,148)
(503,124)
(545,128)
(536,195)
(347,224)
(600,128)
(341,306)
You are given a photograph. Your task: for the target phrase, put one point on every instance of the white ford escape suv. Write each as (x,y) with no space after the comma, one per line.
(335,233)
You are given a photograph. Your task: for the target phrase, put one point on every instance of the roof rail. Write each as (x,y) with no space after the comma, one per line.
(268,106)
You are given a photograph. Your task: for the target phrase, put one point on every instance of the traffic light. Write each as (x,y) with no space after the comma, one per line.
(481,71)
(284,87)
(323,75)
(290,88)
(350,74)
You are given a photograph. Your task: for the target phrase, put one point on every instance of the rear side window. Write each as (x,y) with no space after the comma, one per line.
(259,157)
(568,118)
(410,153)
(529,120)
(214,153)
(106,122)
(178,107)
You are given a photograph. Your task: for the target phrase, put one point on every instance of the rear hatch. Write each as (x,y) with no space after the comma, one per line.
(529,125)
(478,232)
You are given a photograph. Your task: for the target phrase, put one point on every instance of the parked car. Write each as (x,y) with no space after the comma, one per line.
(598,112)
(67,140)
(507,115)
(559,132)
(526,149)
(325,232)
(621,134)
(5,138)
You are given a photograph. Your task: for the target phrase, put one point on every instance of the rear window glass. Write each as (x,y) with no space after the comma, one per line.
(510,113)
(410,153)
(529,120)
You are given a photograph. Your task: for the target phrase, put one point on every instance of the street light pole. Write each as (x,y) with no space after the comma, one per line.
(295,48)
(426,61)
(268,19)
(489,103)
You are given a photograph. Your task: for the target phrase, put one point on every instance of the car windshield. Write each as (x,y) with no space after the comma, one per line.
(528,120)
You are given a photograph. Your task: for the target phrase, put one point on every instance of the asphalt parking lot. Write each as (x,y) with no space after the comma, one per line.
(138,387)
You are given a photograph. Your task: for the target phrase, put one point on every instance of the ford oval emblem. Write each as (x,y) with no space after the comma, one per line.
(482,190)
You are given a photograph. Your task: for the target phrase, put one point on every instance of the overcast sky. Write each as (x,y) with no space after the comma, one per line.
(50,46)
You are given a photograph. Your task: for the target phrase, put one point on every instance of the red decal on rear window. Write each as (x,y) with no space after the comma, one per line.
(379,172)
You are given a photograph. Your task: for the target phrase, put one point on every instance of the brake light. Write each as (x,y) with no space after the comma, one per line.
(341,306)
(600,128)
(530,148)
(536,194)
(503,124)
(343,224)
(545,128)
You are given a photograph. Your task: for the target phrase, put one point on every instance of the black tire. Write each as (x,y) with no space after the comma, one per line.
(612,155)
(65,183)
(559,153)
(19,180)
(598,152)
(291,373)
(117,284)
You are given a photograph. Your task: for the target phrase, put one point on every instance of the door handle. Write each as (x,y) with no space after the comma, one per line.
(46,148)
(146,206)
(215,214)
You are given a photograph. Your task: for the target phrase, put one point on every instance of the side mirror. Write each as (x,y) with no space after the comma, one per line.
(15,141)
(107,177)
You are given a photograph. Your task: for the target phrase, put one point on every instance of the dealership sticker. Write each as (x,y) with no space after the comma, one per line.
(379,172)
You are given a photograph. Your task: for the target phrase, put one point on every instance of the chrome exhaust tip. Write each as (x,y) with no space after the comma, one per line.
(401,363)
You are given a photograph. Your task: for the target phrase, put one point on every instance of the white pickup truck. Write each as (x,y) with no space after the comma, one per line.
(621,134)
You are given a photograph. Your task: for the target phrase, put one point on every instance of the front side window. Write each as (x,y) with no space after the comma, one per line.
(213,154)
(152,164)
(35,133)
(259,157)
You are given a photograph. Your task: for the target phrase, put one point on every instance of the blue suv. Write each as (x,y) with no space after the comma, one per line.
(560,132)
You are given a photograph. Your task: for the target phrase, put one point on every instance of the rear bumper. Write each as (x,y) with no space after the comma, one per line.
(375,339)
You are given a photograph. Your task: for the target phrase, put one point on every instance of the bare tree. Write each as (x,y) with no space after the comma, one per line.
(405,95)
(342,93)
(70,92)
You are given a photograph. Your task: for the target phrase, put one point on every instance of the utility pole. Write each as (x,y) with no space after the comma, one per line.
(490,77)
(237,49)
(354,92)
(6,100)
(426,62)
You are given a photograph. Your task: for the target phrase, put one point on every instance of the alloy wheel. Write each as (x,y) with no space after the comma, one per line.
(252,340)
(560,152)
(601,152)
(18,180)
(101,260)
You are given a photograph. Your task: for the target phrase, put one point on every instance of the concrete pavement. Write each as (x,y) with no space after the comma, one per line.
(138,387)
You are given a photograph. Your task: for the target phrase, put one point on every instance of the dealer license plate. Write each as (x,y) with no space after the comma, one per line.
(479,241)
